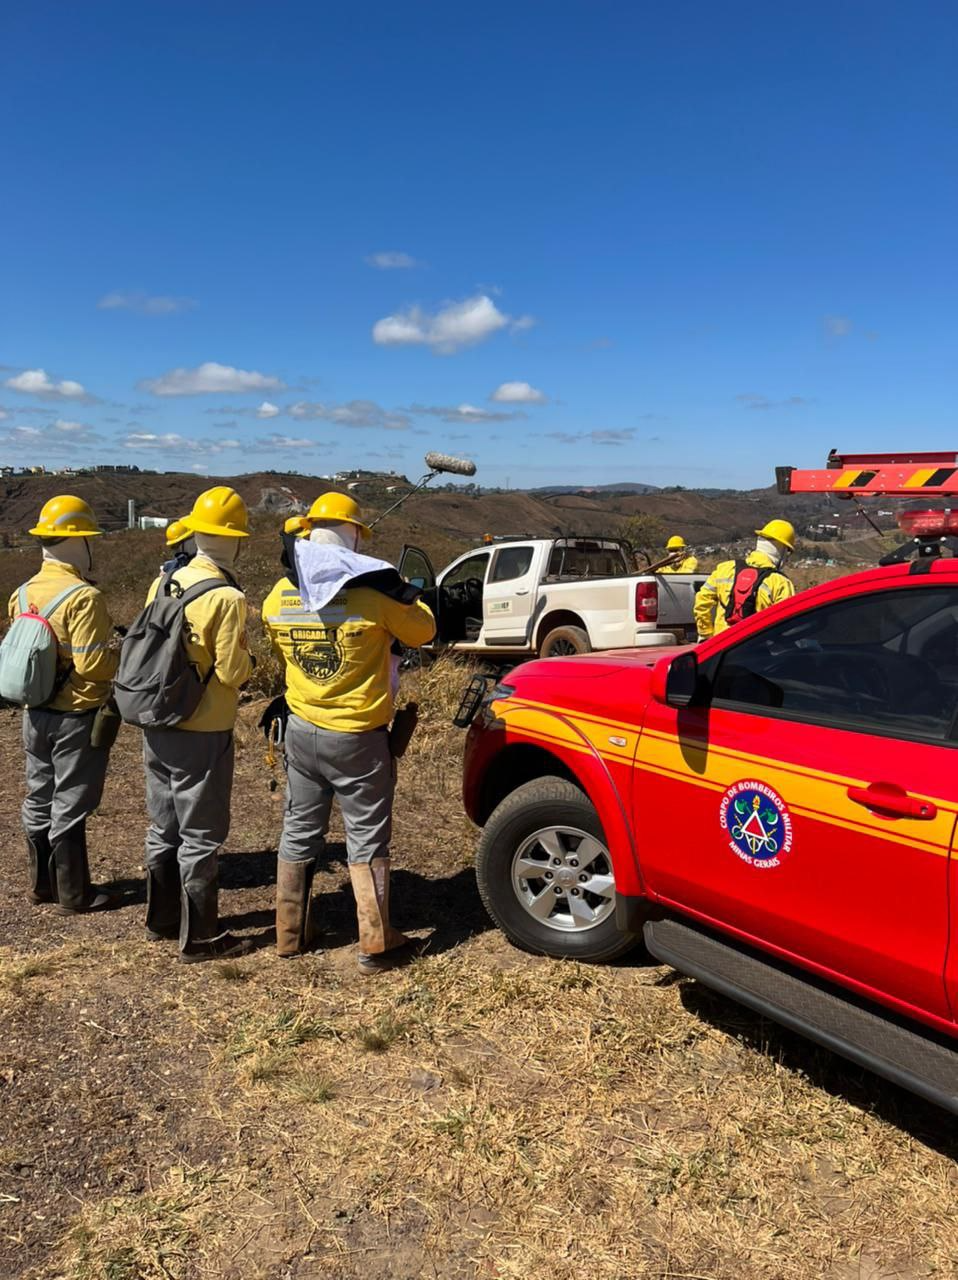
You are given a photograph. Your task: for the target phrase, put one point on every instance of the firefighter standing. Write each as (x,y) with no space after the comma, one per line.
(180,546)
(728,594)
(65,772)
(189,768)
(681,564)
(338,672)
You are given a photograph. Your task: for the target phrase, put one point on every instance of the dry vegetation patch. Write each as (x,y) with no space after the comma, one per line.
(483,1113)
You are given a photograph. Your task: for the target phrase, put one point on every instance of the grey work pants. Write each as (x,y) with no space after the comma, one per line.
(189,780)
(354,767)
(65,774)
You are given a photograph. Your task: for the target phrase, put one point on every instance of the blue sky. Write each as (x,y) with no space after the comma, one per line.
(677,243)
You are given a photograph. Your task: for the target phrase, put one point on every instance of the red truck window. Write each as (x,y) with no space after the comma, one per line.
(873,663)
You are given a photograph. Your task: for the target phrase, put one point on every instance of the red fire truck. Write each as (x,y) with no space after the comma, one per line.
(772,811)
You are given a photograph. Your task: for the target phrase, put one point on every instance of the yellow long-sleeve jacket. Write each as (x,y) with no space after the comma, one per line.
(715,592)
(688,565)
(83,629)
(216,623)
(337,660)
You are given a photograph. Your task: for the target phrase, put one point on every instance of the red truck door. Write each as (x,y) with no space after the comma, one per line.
(809,801)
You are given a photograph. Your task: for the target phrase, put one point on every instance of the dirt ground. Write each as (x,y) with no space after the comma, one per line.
(483,1113)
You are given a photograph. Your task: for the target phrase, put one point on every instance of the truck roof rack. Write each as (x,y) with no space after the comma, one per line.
(903,474)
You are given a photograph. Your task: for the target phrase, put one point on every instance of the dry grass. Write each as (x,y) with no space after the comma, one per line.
(482,1113)
(541,1120)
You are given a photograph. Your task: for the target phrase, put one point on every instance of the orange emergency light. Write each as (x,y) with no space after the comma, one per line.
(929,524)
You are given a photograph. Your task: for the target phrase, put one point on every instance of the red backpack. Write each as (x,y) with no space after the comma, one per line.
(743,597)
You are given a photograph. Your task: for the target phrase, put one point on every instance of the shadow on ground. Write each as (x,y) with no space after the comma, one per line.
(448,906)
(843,1079)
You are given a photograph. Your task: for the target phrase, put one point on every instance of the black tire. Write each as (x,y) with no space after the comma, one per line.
(544,802)
(563,641)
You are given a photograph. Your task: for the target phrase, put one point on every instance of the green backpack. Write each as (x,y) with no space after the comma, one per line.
(28,655)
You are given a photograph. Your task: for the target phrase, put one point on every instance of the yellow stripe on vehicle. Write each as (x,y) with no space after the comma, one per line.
(812,794)
(919,478)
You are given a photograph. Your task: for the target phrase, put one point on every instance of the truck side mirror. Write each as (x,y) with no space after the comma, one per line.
(674,680)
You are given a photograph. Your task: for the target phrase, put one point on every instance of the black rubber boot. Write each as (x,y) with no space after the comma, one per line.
(163,902)
(38,866)
(70,872)
(199,919)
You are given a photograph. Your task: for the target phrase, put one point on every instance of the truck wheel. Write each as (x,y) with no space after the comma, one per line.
(545,874)
(563,641)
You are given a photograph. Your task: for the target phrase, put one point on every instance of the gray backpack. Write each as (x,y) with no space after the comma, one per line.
(28,655)
(156,686)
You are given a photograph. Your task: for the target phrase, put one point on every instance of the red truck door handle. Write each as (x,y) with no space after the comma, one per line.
(887,798)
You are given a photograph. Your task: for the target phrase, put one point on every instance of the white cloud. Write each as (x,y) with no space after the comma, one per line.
(51,439)
(837,326)
(276,441)
(610,438)
(267,410)
(461,413)
(354,413)
(172,442)
(752,401)
(37,382)
(456,325)
(145,304)
(518,393)
(3,414)
(209,378)
(392,260)
(521,323)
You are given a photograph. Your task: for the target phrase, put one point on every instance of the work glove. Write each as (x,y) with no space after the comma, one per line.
(699,638)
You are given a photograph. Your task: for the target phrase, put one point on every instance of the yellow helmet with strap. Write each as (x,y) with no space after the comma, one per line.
(176,532)
(675,543)
(219,511)
(338,508)
(66,516)
(778,531)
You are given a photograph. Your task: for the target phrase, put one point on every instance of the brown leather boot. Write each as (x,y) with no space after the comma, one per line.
(294,881)
(380,945)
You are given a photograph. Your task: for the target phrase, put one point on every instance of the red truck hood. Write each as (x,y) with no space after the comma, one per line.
(585,666)
(614,683)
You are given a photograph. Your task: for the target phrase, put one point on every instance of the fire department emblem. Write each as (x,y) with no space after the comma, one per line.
(757,823)
(317,651)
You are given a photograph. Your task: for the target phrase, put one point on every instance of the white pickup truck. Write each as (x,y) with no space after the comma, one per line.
(551,597)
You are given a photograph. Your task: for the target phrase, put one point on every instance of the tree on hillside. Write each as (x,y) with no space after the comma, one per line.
(644,532)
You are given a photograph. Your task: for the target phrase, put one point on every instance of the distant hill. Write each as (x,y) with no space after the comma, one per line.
(444,521)
(629,486)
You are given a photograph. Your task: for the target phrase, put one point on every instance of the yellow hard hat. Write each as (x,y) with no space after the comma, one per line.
(220,511)
(778,531)
(675,543)
(176,532)
(66,516)
(296,524)
(338,508)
